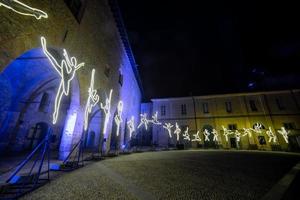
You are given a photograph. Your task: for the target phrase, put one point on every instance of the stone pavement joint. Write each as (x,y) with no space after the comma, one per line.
(278,190)
(130,187)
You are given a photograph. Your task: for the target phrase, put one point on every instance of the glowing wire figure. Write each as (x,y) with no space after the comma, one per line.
(144,121)
(106,110)
(284,134)
(23,9)
(196,137)
(93,99)
(118,117)
(226,133)
(67,70)
(216,135)
(247,131)
(186,135)
(206,134)
(271,135)
(155,120)
(177,131)
(130,125)
(237,135)
(169,127)
(257,128)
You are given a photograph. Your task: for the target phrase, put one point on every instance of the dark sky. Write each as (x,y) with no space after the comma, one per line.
(206,47)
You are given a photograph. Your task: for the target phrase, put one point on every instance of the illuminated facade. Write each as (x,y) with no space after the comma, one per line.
(262,120)
(92,32)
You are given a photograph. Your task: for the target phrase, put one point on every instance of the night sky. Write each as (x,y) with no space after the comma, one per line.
(207,47)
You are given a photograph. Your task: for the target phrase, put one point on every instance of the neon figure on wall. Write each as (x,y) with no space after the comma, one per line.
(247,131)
(206,134)
(144,121)
(106,110)
(284,134)
(226,133)
(130,125)
(118,117)
(272,136)
(155,119)
(196,137)
(169,127)
(215,133)
(93,99)
(23,9)
(67,70)
(177,131)
(237,135)
(186,135)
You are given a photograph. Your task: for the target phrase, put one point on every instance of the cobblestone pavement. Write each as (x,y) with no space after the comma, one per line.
(173,175)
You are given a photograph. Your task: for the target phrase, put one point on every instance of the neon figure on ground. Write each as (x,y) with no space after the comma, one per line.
(23,9)
(284,134)
(130,125)
(272,136)
(177,131)
(169,127)
(196,137)
(186,135)
(206,134)
(118,117)
(67,70)
(106,110)
(144,121)
(93,99)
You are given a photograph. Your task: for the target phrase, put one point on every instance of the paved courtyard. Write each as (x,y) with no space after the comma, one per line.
(173,175)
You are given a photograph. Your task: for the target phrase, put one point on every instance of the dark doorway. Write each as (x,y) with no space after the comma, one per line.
(233,143)
(35,135)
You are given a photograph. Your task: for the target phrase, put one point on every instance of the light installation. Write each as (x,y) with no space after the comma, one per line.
(92,100)
(118,117)
(144,121)
(284,134)
(237,135)
(226,133)
(23,9)
(196,137)
(169,127)
(215,134)
(106,110)
(130,125)
(247,131)
(257,128)
(67,70)
(186,135)
(155,119)
(177,131)
(206,135)
(272,136)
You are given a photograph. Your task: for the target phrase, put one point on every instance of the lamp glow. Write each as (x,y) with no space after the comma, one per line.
(186,135)
(130,125)
(144,121)
(272,136)
(118,117)
(92,100)
(284,134)
(67,70)
(23,9)
(106,110)
(169,127)
(206,134)
(196,137)
(177,131)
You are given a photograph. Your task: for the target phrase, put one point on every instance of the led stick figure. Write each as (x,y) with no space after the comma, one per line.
(271,135)
(118,117)
(155,120)
(67,70)
(206,135)
(226,133)
(186,135)
(257,128)
(284,134)
(130,125)
(216,135)
(237,135)
(93,99)
(144,121)
(196,137)
(23,9)
(169,127)
(106,110)
(177,131)
(247,131)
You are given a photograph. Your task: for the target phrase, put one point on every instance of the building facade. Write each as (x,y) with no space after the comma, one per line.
(93,32)
(238,121)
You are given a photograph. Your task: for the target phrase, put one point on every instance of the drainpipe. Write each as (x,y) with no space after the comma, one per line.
(195,113)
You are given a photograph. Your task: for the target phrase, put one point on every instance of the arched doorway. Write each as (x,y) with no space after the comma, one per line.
(94,135)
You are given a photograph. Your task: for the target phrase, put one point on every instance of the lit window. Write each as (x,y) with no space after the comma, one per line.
(253,105)
(162,110)
(205,107)
(228,106)
(183,109)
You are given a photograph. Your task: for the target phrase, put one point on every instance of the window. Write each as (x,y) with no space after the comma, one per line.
(232,127)
(289,125)
(228,106)
(162,110)
(205,107)
(253,105)
(121,79)
(77,8)
(261,140)
(183,109)
(45,102)
(280,104)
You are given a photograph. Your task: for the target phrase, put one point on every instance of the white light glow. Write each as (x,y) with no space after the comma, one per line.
(272,136)
(169,127)
(226,133)
(177,131)
(67,70)
(118,117)
(206,134)
(284,134)
(237,135)
(23,9)
(196,137)
(106,110)
(144,121)
(257,128)
(155,119)
(186,135)
(216,135)
(92,100)
(247,131)
(130,125)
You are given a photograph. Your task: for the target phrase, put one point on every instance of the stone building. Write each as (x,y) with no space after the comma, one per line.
(93,32)
(247,117)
